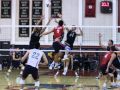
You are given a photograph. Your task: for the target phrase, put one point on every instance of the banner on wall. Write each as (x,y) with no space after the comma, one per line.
(6,8)
(56,7)
(90,8)
(24,18)
(37,6)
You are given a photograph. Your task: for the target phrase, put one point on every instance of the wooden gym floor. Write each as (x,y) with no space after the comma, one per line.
(49,82)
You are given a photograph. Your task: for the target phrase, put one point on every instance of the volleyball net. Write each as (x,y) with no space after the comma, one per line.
(20,34)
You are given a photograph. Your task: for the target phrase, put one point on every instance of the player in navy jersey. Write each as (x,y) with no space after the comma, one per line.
(71,36)
(36,33)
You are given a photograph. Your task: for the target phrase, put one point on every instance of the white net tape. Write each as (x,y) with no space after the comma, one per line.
(77,51)
(64,26)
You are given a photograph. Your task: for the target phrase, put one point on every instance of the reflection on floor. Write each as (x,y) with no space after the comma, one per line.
(49,82)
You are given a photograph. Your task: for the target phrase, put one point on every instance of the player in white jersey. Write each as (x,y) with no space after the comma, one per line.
(32,65)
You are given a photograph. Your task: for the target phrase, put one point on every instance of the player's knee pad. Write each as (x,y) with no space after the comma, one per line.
(22,81)
(37,83)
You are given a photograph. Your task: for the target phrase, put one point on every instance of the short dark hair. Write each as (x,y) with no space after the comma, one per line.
(37,45)
(111,41)
(60,23)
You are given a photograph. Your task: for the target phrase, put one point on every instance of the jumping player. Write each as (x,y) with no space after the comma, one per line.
(37,31)
(58,34)
(71,36)
(32,65)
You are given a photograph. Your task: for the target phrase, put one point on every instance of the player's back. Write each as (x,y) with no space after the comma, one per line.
(34,58)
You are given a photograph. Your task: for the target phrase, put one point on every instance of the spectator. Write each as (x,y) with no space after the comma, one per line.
(86,62)
(81,61)
(16,59)
(76,64)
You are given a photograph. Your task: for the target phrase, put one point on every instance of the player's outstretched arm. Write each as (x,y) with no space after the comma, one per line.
(100,43)
(44,59)
(25,56)
(46,33)
(38,23)
(81,32)
(46,25)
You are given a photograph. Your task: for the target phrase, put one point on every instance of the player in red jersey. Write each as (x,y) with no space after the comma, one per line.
(111,72)
(104,62)
(114,63)
(58,34)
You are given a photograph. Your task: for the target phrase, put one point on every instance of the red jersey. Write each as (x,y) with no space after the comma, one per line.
(58,32)
(106,58)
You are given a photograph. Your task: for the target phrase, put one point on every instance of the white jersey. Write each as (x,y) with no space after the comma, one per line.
(34,58)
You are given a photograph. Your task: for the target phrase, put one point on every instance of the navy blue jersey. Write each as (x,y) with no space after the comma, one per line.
(71,38)
(35,37)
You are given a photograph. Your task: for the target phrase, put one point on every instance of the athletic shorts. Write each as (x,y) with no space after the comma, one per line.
(116,63)
(67,48)
(30,70)
(103,70)
(57,46)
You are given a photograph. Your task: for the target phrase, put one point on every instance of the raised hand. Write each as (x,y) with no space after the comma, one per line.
(100,35)
(59,15)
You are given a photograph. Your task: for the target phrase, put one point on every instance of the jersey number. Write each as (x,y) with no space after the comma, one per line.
(72,35)
(58,31)
(35,55)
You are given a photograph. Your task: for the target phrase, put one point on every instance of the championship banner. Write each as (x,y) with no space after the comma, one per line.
(90,8)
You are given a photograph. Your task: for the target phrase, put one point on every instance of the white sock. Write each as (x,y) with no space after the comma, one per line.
(37,84)
(104,84)
(66,69)
(65,56)
(21,72)
(76,73)
(22,81)
(57,73)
